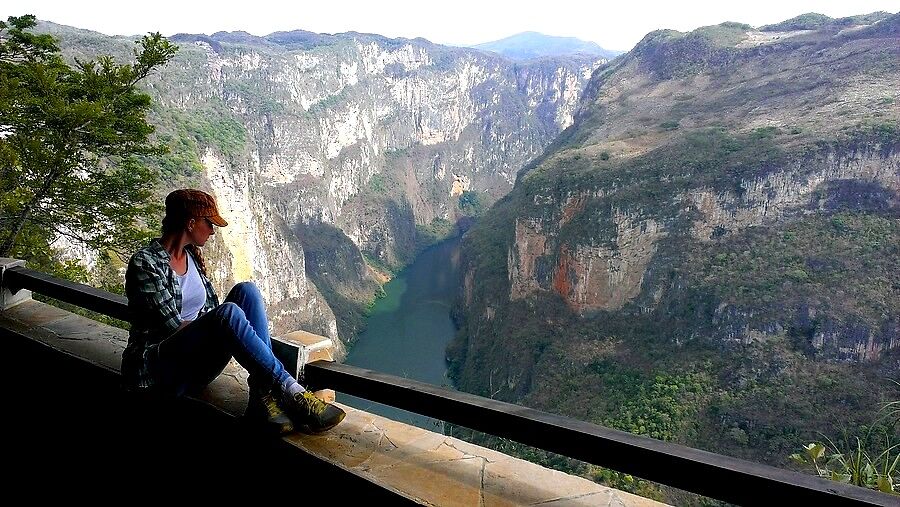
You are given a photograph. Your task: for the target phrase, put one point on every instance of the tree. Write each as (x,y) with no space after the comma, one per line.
(70,142)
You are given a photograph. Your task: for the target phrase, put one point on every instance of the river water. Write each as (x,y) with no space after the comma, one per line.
(409,329)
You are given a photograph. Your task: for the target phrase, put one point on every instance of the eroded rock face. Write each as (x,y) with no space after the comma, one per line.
(587,276)
(605,278)
(330,118)
(367,135)
(670,161)
(529,247)
(603,269)
(254,247)
(792,190)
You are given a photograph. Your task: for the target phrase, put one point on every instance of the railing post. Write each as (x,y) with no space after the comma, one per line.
(297,348)
(11,296)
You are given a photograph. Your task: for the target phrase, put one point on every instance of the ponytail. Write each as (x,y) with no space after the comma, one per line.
(198,256)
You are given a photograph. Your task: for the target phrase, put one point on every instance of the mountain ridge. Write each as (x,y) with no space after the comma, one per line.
(529,45)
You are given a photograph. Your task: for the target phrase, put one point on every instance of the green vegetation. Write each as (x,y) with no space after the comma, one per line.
(471,204)
(670,54)
(659,406)
(870,461)
(105,276)
(808,21)
(727,34)
(378,184)
(886,133)
(380,266)
(816,21)
(257,100)
(329,102)
(74,138)
(669,125)
(213,126)
(765,133)
(815,262)
(854,464)
(432,233)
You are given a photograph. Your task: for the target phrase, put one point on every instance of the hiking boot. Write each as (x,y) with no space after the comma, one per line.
(310,414)
(264,411)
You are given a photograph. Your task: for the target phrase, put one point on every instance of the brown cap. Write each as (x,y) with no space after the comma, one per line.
(190,203)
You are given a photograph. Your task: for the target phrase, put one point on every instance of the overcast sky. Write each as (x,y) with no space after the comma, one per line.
(613,25)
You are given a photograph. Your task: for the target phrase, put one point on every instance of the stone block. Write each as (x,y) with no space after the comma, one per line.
(326,395)
(298,348)
(9,299)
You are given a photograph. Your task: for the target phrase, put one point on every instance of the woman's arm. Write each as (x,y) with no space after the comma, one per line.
(150,298)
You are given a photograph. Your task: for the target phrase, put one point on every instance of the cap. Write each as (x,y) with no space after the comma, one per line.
(190,203)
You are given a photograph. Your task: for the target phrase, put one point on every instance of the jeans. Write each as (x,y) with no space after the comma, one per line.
(196,354)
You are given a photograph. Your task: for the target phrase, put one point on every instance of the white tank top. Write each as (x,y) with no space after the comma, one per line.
(193,293)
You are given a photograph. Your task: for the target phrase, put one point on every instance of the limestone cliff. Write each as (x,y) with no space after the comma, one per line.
(366,137)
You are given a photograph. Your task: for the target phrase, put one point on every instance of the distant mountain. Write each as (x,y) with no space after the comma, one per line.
(528,45)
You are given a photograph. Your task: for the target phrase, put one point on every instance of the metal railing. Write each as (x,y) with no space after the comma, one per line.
(705,473)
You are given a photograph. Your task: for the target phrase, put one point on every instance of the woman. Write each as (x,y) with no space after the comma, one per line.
(181,338)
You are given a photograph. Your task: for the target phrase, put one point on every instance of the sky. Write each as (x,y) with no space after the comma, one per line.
(613,25)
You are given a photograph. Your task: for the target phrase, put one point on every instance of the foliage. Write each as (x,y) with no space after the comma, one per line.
(854,464)
(434,232)
(658,407)
(669,125)
(213,126)
(378,184)
(814,21)
(257,100)
(808,21)
(106,275)
(471,204)
(816,261)
(727,34)
(864,461)
(626,482)
(72,135)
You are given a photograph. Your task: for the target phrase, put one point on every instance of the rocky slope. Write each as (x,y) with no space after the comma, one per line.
(709,254)
(331,153)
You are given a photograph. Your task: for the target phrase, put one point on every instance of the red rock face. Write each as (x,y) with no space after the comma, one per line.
(530,245)
(587,276)
(561,283)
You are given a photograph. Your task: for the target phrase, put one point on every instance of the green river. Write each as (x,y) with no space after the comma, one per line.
(409,329)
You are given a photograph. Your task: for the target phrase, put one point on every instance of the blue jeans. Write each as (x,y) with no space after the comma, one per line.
(196,354)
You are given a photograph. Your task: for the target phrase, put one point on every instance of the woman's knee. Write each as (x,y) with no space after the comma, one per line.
(247,289)
(229,311)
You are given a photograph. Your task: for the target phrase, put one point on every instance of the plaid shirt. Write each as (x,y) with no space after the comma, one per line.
(154,299)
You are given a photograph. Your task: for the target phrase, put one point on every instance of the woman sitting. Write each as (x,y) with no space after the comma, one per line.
(181,338)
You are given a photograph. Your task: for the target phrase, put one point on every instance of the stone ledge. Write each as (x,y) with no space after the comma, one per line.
(417,464)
